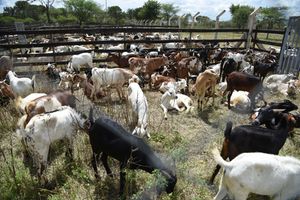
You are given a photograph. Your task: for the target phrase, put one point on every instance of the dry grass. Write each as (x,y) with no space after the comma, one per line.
(188,138)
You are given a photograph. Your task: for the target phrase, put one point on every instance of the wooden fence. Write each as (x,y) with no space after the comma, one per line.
(7,43)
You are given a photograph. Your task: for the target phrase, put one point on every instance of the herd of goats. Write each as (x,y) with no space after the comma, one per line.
(182,78)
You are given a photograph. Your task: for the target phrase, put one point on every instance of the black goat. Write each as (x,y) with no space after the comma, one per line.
(249,138)
(228,65)
(271,123)
(111,139)
(262,69)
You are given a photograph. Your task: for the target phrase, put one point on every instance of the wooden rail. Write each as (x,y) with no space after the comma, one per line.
(5,43)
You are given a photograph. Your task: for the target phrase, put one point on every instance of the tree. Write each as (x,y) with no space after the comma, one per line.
(273,17)
(48,4)
(116,13)
(83,10)
(168,10)
(240,15)
(22,10)
(134,13)
(150,10)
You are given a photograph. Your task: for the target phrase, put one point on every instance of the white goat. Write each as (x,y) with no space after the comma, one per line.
(46,128)
(112,78)
(278,78)
(166,98)
(83,59)
(183,102)
(240,100)
(21,103)
(139,107)
(178,85)
(21,86)
(259,173)
(65,80)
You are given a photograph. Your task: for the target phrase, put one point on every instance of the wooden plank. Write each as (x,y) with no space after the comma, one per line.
(11,46)
(269,31)
(267,42)
(117,30)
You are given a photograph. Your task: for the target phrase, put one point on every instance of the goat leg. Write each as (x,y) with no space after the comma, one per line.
(122,179)
(105,164)
(228,99)
(94,164)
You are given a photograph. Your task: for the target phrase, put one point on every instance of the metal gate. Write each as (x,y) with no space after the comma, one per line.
(289,61)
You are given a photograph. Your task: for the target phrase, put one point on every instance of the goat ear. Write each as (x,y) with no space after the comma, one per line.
(87,125)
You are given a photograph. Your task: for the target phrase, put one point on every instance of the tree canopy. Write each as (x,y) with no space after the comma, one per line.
(116,13)
(273,17)
(87,11)
(240,15)
(168,10)
(150,10)
(83,10)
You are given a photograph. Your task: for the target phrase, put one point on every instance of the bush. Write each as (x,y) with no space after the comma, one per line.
(66,19)
(7,20)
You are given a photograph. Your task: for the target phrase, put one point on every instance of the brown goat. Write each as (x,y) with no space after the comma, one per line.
(245,82)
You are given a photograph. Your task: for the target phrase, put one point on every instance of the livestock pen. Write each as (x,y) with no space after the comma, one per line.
(186,138)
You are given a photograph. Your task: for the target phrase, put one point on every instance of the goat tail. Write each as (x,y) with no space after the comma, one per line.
(218,158)
(228,129)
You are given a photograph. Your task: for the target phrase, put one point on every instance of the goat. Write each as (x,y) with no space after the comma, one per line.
(205,81)
(157,80)
(46,128)
(49,103)
(139,107)
(178,85)
(111,139)
(5,66)
(249,138)
(245,82)
(227,66)
(165,100)
(21,86)
(107,77)
(272,122)
(262,69)
(21,103)
(259,173)
(83,59)
(6,90)
(87,87)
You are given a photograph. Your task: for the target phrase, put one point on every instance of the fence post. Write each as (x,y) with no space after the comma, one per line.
(251,26)
(161,21)
(217,24)
(169,22)
(194,19)
(179,20)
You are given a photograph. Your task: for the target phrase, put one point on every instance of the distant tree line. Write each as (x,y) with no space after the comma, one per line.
(89,12)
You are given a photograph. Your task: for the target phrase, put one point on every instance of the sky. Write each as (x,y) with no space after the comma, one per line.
(210,8)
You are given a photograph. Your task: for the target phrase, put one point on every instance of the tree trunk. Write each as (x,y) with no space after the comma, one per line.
(48,14)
